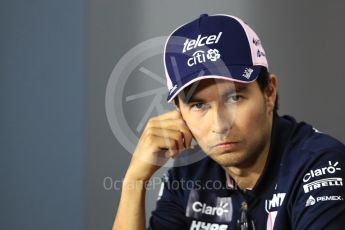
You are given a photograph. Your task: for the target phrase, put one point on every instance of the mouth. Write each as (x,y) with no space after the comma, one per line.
(225,145)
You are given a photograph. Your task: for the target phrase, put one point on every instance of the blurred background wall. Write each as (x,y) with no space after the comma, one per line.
(42,110)
(61,160)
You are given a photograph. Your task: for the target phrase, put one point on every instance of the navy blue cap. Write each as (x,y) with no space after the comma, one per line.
(217,46)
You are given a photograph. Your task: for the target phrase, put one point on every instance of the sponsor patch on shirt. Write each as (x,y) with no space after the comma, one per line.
(271,207)
(327,170)
(209,207)
(327,182)
(275,202)
(311,200)
(312,181)
(201,225)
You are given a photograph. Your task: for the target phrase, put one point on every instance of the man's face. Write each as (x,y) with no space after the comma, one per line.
(236,114)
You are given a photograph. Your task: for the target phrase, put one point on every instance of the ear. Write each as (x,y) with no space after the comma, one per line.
(271,92)
(176,106)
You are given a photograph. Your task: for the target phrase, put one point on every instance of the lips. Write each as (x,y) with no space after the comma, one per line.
(227,144)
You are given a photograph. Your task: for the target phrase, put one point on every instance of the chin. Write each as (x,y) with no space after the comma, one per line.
(229,159)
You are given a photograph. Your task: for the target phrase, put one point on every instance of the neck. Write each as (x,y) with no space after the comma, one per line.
(247,176)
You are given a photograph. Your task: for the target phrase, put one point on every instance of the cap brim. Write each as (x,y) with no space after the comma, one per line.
(241,74)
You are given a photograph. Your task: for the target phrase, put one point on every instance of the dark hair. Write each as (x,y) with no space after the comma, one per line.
(262,80)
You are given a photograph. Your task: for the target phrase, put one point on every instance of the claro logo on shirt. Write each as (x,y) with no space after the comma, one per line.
(330,169)
(209,210)
(209,207)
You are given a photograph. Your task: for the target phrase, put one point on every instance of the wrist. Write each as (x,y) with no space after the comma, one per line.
(133,184)
(142,174)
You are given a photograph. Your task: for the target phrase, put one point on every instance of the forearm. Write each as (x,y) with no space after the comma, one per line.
(164,136)
(131,209)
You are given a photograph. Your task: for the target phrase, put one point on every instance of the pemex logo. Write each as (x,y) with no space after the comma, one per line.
(311,201)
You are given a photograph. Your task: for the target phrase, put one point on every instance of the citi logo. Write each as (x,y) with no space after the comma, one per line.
(200,56)
(209,210)
(201,41)
(330,169)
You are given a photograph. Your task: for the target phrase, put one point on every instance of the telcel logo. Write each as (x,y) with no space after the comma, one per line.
(331,168)
(199,41)
(209,210)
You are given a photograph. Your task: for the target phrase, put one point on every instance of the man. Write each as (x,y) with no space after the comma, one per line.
(271,171)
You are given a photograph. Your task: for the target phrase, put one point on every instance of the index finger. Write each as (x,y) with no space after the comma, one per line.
(174,114)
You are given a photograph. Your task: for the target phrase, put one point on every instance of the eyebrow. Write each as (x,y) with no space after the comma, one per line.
(238,88)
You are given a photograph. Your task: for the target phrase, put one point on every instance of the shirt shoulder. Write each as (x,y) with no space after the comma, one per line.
(312,172)
(307,144)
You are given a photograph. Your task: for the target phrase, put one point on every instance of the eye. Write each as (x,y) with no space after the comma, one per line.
(234,98)
(198,106)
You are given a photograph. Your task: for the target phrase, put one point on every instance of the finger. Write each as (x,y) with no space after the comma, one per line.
(188,138)
(168,144)
(163,122)
(169,115)
(176,135)
(175,124)
(168,123)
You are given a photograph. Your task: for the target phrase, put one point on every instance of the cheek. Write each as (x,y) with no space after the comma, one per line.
(251,119)
(199,128)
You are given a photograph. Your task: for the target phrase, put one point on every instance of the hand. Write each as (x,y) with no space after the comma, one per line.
(164,136)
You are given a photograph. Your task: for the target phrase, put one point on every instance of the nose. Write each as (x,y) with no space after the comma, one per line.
(222,121)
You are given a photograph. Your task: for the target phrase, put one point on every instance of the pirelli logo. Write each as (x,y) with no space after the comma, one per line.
(335,181)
